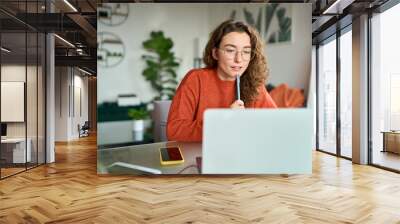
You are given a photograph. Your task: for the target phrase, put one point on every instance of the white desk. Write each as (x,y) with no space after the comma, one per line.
(18,149)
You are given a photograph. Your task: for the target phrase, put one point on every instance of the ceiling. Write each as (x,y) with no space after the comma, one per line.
(72,20)
(330,16)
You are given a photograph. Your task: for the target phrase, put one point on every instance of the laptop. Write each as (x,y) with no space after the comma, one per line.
(257,141)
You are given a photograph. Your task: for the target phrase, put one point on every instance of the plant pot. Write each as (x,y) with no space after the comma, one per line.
(138,125)
(138,136)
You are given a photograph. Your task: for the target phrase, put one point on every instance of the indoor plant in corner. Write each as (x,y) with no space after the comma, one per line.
(161,64)
(138,116)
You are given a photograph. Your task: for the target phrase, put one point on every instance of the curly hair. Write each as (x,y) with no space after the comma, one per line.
(256,73)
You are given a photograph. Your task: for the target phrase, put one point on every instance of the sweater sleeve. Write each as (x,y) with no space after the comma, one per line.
(181,124)
(264,100)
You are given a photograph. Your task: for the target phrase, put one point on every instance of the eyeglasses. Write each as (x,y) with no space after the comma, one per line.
(231,53)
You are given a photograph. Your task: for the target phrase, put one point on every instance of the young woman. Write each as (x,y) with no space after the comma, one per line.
(234,49)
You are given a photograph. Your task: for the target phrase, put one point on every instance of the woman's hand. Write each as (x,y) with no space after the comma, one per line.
(238,104)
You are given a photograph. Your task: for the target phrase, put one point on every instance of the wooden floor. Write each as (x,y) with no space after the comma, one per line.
(5,172)
(10,171)
(70,191)
(387,159)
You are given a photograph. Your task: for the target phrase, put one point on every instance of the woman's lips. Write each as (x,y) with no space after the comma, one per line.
(236,68)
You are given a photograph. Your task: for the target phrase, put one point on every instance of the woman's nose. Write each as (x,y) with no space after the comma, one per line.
(238,56)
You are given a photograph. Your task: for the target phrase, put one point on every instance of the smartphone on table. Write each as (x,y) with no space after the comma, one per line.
(171,156)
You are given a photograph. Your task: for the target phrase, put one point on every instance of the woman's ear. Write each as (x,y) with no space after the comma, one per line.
(214,53)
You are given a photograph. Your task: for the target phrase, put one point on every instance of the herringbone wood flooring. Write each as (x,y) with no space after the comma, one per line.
(70,191)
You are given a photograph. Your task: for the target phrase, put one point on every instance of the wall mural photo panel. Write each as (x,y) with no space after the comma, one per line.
(162,66)
(273,21)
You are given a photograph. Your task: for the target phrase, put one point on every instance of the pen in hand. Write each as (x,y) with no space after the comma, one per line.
(238,104)
(238,87)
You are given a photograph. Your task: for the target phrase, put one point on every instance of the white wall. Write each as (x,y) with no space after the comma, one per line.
(80,83)
(66,119)
(61,103)
(14,72)
(183,23)
(291,63)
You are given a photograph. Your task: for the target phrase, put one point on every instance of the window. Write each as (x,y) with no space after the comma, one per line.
(385,89)
(346,93)
(327,96)
(22,77)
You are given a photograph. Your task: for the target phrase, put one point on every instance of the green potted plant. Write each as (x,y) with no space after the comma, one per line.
(138,116)
(161,65)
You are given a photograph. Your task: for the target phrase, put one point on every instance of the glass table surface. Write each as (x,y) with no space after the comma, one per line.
(145,159)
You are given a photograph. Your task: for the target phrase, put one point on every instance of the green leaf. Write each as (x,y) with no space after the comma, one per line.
(272,38)
(258,24)
(171,64)
(233,15)
(170,81)
(285,23)
(249,17)
(138,114)
(269,13)
(172,72)
(165,55)
(284,36)
(158,87)
(170,96)
(161,63)
(152,64)
(281,13)
(150,73)
(150,57)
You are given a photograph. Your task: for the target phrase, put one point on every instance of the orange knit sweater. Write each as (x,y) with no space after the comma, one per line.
(199,90)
